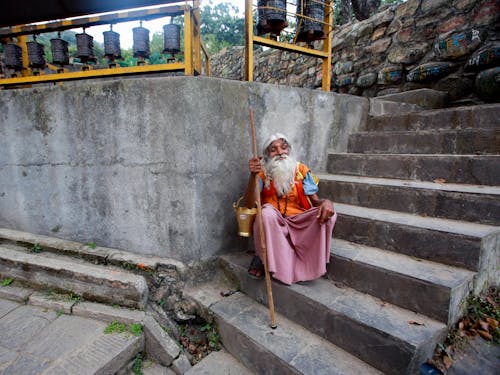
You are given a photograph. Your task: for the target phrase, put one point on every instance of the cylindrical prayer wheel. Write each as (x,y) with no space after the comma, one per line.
(13,57)
(171,38)
(85,47)
(272,16)
(311,26)
(36,55)
(60,55)
(112,45)
(141,42)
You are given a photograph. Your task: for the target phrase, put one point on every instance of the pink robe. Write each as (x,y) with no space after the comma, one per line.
(298,247)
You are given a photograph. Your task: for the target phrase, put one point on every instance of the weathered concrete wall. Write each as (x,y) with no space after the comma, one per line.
(151,165)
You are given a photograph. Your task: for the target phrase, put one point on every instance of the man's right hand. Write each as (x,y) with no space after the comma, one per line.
(254,165)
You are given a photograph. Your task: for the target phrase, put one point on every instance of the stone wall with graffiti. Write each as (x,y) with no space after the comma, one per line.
(447,45)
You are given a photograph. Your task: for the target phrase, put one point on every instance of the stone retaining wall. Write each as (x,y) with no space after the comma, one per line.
(447,45)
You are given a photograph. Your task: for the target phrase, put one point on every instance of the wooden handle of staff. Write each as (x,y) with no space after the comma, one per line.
(261,231)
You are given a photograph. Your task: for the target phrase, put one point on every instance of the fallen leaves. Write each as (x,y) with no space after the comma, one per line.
(440,181)
(415,323)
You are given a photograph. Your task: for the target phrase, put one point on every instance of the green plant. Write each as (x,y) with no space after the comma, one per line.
(36,248)
(92,245)
(137,365)
(212,336)
(115,327)
(6,282)
(135,328)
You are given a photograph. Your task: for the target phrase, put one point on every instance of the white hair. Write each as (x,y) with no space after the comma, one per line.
(271,139)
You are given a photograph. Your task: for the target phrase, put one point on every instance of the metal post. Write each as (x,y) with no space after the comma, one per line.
(188,42)
(248,41)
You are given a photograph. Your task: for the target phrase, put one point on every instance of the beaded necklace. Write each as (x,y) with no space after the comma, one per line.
(286,204)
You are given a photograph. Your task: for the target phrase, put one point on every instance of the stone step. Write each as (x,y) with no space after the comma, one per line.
(481,116)
(462,169)
(451,242)
(475,203)
(108,284)
(392,339)
(217,363)
(37,340)
(244,328)
(428,288)
(463,141)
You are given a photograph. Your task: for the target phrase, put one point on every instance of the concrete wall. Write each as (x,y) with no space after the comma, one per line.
(151,165)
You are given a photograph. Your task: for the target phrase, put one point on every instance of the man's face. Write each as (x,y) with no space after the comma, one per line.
(278,147)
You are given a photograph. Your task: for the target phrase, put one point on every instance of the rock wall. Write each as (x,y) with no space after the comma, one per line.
(446,45)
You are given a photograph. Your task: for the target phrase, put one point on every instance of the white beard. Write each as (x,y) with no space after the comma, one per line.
(281,170)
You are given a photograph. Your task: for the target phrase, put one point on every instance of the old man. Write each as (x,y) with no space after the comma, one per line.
(298,224)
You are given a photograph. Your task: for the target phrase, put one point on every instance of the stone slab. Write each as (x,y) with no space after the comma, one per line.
(45,301)
(7,356)
(375,331)
(464,141)
(93,282)
(108,313)
(450,242)
(463,169)
(181,364)
(159,345)
(245,333)
(429,288)
(7,306)
(474,203)
(15,293)
(424,98)
(22,324)
(478,116)
(219,363)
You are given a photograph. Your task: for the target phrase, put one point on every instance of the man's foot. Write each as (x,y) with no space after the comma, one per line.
(256,269)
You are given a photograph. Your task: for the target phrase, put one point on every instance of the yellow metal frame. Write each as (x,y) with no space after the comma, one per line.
(325,54)
(193,46)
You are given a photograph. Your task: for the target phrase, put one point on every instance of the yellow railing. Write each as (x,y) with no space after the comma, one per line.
(193,46)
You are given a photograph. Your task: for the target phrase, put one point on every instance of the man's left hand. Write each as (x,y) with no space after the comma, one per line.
(325,211)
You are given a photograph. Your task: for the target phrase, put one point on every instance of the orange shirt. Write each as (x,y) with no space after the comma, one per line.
(295,202)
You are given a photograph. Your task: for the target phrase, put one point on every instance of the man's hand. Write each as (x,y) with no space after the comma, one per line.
(254,165)
(325,211)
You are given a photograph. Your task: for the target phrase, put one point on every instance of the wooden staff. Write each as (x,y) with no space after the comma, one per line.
(261,230)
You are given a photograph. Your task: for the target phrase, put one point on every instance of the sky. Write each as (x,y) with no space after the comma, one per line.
(125,28)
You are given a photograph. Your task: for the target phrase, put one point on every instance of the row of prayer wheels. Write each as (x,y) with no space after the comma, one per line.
(310,18)
(85,48)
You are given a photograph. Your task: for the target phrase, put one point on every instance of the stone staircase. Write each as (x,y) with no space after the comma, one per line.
(419,212)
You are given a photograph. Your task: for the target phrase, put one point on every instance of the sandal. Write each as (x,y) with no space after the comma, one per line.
(256,269)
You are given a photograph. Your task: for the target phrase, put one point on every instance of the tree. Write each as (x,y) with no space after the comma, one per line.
(221,26)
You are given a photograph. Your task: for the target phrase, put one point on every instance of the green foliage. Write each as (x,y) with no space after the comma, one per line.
(115,327)
(137,365)
(212,336)
(36,248)
(92,245)
(135,329)
(6,282)
(221,26)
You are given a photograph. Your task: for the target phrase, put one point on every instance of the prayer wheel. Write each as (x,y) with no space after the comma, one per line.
(310,27)
(36,54)
(171,38)
(141,42)
(59,48)
(13,57)
(85,47)
(112,45)
(272,16)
